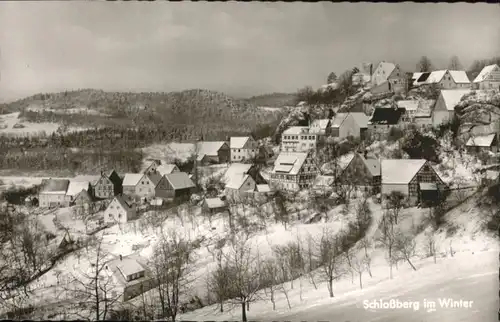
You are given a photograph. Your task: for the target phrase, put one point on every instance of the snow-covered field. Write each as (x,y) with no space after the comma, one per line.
(170,151)
(8,121)
(74,110)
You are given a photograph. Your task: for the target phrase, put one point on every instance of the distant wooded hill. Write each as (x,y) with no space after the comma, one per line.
(273,100)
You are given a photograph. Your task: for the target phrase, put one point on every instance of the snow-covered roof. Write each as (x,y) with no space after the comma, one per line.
(215,203)
(122,202)
(483,140)
(360,118)
(129,266)
(54,185)
(385,68)
(179,180)
(416,76)
(295,130)
(75,187)
(155,178)
(492,174)
(132,179)
(166,168)
(452,97)
(435,76)
(485,73)
(373,165)
(263,188)
(409,105)
(459,76)
(210,148)
(320,124)
(292,160)
(400,171)
(324,181)
(238,142)
(236,175)
(424,108)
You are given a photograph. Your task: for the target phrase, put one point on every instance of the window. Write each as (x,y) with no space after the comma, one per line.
(119,215)
(111,216)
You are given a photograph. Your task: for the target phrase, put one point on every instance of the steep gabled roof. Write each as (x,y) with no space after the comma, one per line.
(459,76)
(408,105)
(122,202)
(213,203)
(485,72)
(373,165)
(400,171)
(385,68)
(452,97)
(75,187)
(295,130)
(179,180)
(482,140)
(236,175)
(321,124)
(155,178)
(132,179)
(166,168)
(289,162)
(210,148)
(360,118)
(387,116)
(339,119)
(436,76)
(238,142)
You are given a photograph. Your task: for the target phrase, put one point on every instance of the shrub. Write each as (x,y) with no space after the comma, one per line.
(420,146)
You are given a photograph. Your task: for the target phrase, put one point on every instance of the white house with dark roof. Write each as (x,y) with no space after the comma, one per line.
(293,171)
(167,168)
(350,124)
(488,78)
(53,193)
(410,177)
(445,79)
(444,109)
(119,211)
(212,152)
(298,139)
(238,179)
(482,143)
(243,148)
(174,185)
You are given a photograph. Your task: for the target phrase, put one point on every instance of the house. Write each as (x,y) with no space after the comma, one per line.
(363,76)
(140,185)
(414,178)
(78,190)
(488,78)
(167,168)
(31,201)
(390,73)
(445,79)
(119,211)
(350,124)
(383,119)
(298,139)
(108,185)
(321,127)
(212,152)
(174,185)
(243,148)
(153,165)
(214,205)
(130,277)
(363,171)
(482,143)
(444,109)
(240,178)
(53,193)
(293,171)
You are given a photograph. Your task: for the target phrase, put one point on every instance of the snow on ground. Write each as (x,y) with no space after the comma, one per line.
(75,110)
(382,149)
(7,122)
(20,181)
(168,152)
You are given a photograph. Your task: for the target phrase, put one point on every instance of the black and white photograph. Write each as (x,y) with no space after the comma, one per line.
(249,161)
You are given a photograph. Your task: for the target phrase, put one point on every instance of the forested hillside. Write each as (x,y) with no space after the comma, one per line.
(273,100)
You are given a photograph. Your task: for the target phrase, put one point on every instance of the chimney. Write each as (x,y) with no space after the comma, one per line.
(365,154)
(121,258)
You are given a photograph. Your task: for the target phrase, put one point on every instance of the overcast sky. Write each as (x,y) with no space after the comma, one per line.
(242,49)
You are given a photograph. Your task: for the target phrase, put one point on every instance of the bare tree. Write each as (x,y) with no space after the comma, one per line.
(272,279)
(404,247)
(217,280)
(243,273)
(172,261)
(431,246)
(365,243)
(95,289)
(394,204)
(424,64)
(387,238)
(310,259)
(330,259)
(455,63)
